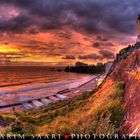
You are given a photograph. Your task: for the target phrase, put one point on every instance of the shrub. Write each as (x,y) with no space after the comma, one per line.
(28,129)
(124,50)
(121,92)
(120,85)
(104,125)
(16,127)
(120,88)
(27,118)
(99,124)
(117,112)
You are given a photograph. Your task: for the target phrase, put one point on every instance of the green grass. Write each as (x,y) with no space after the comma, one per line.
(16,127)
(117,110)
(124,50)
(108,117)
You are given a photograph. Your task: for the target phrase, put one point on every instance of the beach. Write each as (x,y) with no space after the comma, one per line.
(14,94)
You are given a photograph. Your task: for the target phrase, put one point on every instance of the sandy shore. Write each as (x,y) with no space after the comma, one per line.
(88,86)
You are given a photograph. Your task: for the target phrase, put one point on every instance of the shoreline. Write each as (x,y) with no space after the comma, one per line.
(66,94)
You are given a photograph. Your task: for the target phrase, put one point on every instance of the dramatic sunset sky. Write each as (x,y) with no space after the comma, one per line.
(61,32)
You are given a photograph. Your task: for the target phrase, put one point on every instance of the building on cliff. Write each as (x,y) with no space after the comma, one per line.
(108,65)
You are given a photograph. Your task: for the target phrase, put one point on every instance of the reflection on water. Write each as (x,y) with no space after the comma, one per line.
(22,83)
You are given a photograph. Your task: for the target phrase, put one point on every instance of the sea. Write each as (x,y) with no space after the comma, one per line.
(21,83)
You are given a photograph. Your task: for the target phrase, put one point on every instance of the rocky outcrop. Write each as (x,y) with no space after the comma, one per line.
(123,54)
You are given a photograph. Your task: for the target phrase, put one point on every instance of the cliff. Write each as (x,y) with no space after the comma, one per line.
(128,70)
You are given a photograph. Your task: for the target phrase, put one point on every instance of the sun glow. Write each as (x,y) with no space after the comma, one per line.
(8,49)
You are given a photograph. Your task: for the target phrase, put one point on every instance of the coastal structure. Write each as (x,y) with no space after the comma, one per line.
(108,66)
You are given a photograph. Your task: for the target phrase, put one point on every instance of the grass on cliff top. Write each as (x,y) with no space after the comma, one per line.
(86,113)
(106,118)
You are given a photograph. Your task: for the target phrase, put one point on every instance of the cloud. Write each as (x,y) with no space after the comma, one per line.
(11,56)
(107,44)
(92,16)
(107,54)
(91,56)
(103,54)
(101,38)
(96,44)
(69,57)
(19,24)
(9,13)
(103,24)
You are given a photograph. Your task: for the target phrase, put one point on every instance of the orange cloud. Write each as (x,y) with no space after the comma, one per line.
(8,49)
(53,46)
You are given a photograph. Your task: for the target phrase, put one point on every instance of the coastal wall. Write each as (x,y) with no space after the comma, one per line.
(126,70)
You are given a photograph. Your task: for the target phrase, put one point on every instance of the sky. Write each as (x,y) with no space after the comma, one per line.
(62,32)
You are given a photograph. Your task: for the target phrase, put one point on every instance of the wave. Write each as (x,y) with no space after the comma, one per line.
(16,84)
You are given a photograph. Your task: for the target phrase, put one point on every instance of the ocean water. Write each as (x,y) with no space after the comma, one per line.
(24,83)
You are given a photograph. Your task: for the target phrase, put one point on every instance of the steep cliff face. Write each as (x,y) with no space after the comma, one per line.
(128,70)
